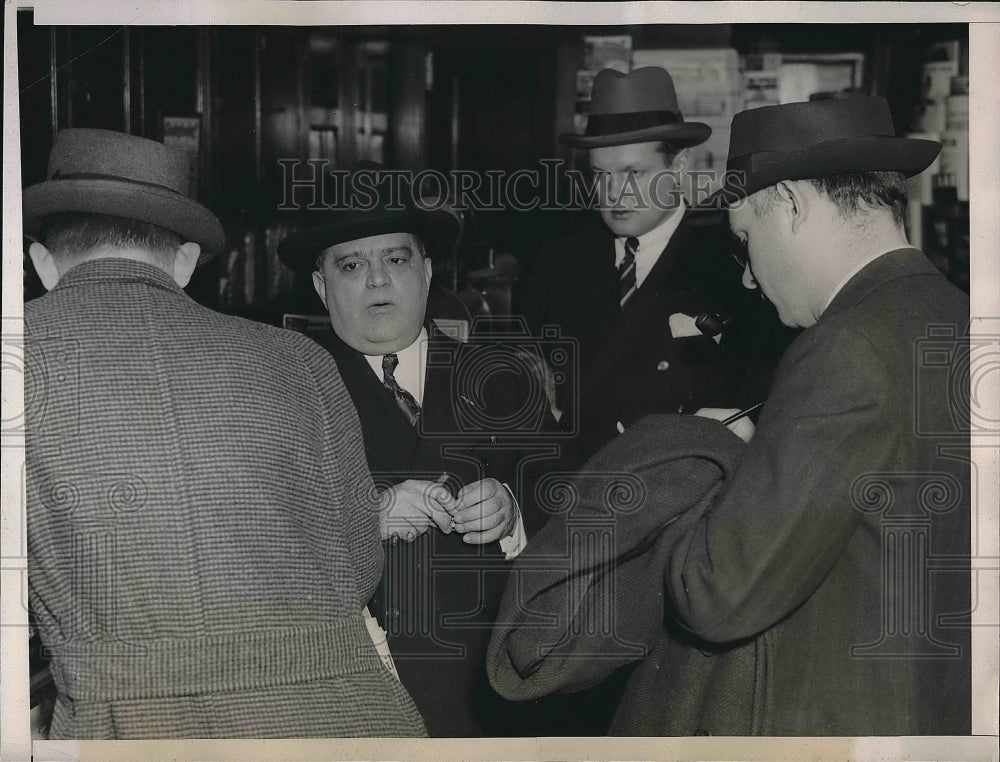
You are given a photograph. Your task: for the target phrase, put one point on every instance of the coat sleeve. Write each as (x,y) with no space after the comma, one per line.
(581,599)
(780,525)
(346,469)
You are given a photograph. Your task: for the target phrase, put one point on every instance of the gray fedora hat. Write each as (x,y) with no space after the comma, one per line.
(640,107)
(106,172)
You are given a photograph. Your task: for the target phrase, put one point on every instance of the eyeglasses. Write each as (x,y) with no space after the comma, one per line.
(739,250)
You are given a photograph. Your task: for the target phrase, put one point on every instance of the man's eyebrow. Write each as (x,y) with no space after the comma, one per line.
(627,168)
(362,254)
(346,255)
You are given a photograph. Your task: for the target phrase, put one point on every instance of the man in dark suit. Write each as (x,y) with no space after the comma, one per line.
(202,528)
(814,581)
(649,292)
(452,432)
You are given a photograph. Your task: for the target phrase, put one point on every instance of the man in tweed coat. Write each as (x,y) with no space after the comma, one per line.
(202,528)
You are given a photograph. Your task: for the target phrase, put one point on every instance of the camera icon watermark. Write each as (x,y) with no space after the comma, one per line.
(953,372)
(502,382)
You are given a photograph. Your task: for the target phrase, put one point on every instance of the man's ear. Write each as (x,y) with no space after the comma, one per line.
(428,270)
(45,265)
(319,284)
(185,260)
(681,160)
(793,199)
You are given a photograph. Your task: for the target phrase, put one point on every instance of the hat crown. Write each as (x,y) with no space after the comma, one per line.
(796,127)
(79,152)
(647,89)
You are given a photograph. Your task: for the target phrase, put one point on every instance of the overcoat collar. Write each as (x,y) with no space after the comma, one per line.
(119,270)
(900,263)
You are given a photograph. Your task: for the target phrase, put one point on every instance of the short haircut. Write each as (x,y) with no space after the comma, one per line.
(851,194)
(318,263)
(669,151)
(76,233)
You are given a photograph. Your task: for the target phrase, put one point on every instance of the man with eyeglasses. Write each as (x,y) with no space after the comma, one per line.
(816,580)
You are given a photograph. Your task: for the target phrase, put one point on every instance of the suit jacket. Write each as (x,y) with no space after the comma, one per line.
(481,417)
(628,364)
(202,528)
(815,581)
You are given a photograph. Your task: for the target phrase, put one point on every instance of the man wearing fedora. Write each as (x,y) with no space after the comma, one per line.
(202,528)
(649,291)
(449,431)
(816,578)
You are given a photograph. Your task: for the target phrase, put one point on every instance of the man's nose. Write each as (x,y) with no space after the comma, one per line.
(748,280)
(615,186)
(377,276)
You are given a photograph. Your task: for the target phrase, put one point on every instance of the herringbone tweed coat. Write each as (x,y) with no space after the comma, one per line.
(202,527)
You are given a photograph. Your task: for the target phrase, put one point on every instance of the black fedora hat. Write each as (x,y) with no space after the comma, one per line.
(639,107)
(802,141)
(106,172)
(383,204)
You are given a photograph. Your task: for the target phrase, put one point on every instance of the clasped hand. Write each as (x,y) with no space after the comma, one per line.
(482,512)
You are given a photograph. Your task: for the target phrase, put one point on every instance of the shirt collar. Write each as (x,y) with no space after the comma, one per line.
(409,374)
(651,244)
(656,239)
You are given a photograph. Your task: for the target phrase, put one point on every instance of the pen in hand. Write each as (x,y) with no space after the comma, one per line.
(736,416)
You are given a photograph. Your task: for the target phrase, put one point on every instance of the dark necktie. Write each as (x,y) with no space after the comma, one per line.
(409,406)
(626,271)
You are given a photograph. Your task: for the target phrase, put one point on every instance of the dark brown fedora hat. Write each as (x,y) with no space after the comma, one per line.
(802,141)
(635,108)
(384,203)
(114,173)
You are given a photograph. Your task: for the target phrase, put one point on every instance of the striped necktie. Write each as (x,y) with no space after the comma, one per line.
(626,271)
(409,406)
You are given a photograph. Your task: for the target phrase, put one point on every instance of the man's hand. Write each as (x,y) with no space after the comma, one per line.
(742,427)
(410,508)
(484,512)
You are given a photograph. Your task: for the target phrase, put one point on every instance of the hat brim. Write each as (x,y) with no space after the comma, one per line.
(911,156)
(438,230)
(686,134)
(121,198)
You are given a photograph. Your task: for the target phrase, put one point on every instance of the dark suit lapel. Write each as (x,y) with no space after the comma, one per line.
(390,439)
(446,441)
(445,406)
(647,311)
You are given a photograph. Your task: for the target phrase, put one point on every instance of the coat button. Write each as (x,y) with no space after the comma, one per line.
(662,365)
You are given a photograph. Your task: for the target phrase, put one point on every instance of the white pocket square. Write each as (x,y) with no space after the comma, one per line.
(682,326)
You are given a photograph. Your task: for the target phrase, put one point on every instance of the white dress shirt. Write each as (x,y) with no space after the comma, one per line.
(651,245)
(409,374)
